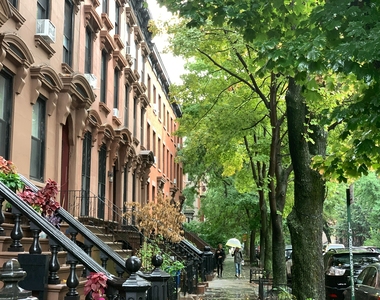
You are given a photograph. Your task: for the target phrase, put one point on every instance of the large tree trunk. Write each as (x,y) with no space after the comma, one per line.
(252,247)
(305,221)
(277,189)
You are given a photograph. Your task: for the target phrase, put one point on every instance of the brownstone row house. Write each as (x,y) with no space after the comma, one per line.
(84,101)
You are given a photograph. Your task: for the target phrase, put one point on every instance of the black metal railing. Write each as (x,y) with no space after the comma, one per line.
(117,223)
(191,256)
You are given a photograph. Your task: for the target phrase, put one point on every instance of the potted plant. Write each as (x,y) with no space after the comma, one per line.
(9,176)
(43,201)
(95,286)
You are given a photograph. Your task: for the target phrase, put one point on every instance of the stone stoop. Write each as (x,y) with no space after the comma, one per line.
(58,291)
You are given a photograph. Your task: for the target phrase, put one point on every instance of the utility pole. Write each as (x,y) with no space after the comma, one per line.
(350,200)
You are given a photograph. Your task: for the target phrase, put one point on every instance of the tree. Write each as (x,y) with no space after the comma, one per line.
(217,93)
(161,217)
(273,29)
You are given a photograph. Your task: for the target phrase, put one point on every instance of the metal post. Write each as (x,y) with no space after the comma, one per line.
(350,200)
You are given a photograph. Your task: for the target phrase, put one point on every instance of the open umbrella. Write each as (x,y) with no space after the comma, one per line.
(233,243)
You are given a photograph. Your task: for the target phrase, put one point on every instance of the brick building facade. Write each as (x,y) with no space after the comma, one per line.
(84,100)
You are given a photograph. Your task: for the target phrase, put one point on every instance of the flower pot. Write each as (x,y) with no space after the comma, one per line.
(209,277)
(201,289)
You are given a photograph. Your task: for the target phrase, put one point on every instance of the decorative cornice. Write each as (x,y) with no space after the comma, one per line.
(129,75)
(119,41)
(40,42)
(92,18)
(107,42)
(17,17)
(119,59)
(107,22)
(5,11)
(130,16)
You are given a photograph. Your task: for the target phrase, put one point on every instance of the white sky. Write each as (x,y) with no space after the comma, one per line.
(173,64)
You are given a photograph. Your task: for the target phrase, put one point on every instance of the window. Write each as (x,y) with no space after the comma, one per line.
(68,32)
(141,67)
(86,173)
(103,77)
(148,136)
(154,94)
(6,83)
(164,109)
(159,106)
(154,147)
(116,88)
(164,159)
(142,117)
(126,105)
(42,9)
(105,6)
(88,51)
(14,2)
(102,180)
(135,102)
(37,156)
(149,89)
(125,194)
(134,195)
(159,153)
(117,18)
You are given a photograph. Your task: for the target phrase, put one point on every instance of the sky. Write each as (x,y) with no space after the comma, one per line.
(173,64)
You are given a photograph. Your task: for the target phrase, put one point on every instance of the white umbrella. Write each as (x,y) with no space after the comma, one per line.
(233,243)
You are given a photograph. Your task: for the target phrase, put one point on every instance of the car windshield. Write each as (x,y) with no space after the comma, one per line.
(359,259)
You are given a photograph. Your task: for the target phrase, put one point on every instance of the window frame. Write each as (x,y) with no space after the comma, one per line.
(116,85)
(6,111)
(42,11)
(68,51)
(37,156)
(88,48)
(103,76)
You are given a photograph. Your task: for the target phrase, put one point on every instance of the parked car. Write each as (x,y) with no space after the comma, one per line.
(327,247)
(367,285)
(337,269)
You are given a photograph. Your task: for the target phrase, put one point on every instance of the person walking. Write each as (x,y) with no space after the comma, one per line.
(238,258)
(220,255)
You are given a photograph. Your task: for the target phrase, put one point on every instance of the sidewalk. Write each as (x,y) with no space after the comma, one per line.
(229,287)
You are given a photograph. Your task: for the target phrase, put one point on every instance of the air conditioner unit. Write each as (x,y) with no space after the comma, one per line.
(175,180)
(46,29)
(155,108)
(116,112)
(92,80)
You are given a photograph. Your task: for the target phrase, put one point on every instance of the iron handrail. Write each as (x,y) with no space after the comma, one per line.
(88,234)
(59,237)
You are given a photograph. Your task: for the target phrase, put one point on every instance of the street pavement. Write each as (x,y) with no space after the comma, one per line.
(229,287)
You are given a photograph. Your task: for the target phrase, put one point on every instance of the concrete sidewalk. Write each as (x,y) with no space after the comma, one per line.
(229,287)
